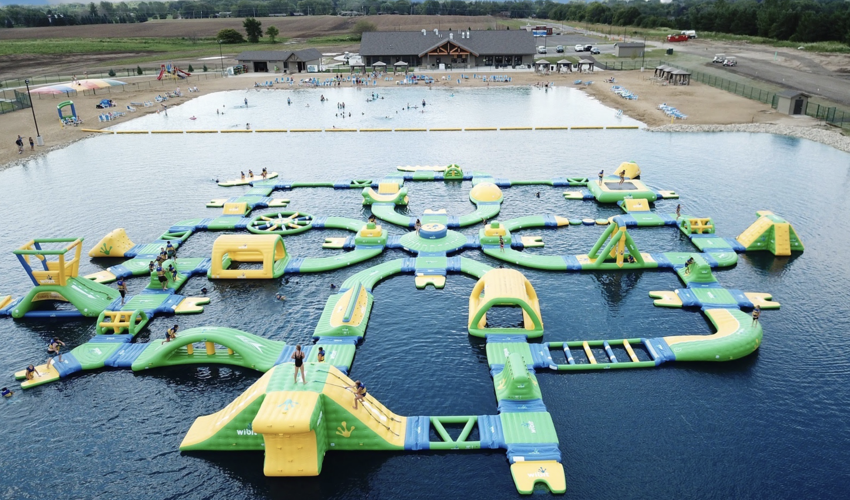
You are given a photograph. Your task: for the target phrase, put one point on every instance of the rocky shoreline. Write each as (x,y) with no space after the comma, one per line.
(822,134)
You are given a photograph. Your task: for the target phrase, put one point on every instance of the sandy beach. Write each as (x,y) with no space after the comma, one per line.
(702,104)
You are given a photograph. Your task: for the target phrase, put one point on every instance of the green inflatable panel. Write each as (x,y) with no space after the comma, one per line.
(88,297)
(515,382)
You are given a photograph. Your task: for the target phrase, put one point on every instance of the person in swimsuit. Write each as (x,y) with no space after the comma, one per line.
(622,177)
(151,266)
(359,391)
(55,347)
(501,244)
(173,271)
(678,211)
(417,226)
(251,174)
(321,355)
(6,393)
(756,314)
(688,264)
(601,175)
(631,260)
(31,373)
(246,102)
(298,356)
(243,175)
(161,276)
(265,173)
(170,334)
(170,251)
(122,289)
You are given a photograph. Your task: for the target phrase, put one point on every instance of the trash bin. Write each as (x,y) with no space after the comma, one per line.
(669,52)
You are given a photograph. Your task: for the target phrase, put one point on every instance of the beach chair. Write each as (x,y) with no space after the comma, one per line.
(131,109)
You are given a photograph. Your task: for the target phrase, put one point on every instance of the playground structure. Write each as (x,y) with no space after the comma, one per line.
(172,72)
(67,119)
(295,425)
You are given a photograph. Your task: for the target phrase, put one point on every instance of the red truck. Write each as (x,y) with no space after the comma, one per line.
(677,38)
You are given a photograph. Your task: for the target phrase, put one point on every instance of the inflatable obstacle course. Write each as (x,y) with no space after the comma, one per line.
(772,233)
(504,287)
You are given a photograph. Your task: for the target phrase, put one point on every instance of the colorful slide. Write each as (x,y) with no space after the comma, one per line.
(172,72)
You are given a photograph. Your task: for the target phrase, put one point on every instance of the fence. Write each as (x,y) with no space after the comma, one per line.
(13,100)
(119,73)
(829,114)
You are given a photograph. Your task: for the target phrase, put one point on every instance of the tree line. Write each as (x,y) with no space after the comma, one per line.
(794,20)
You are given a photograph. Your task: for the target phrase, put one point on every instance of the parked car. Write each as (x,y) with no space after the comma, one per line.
(594,50)
(677,38)
(559,49)
(587,48)
(730,61)
(579,48)
(690,33)
(541,49)
(718,58)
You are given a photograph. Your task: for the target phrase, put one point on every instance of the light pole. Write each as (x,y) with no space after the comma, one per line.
(38,138)
(220,57)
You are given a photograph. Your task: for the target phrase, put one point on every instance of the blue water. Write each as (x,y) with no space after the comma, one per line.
(772,425)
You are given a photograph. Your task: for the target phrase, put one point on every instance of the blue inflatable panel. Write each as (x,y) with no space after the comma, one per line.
(408,176)
(286,354)
(408,265)
(243,223)
(342,368)
(517,245)
(176,229)
(431,271)
(438,176)
(417,437)
(741,299)
(294,265)
(519,452)
(549,221)
(452,221)
(282,185)
(203,225)
(541,357)
(502,339)
(560,182)
(453,265)
(53,314)
(572,262)
(472,241)
(319,222)
(394,241)
(736,245)
(705,235)
(7,311)
(501,182)
(202,267)
(490,432)
(713,284)
(336,340)
(125,356)
(658,350)
(496,369)
(710,260)
(342,184)
(133,251)
(120,271)
(467,177)
(587,195)
(627,220)
(263,202)
(662,260)
(68,365)
(509,406)
(668,220)
(111,338)
(349,243)
(688,298)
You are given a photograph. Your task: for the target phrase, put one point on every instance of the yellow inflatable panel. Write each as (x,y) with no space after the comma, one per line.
(489,230)
(216,203)
(47,375)
(166,131)
(248,179)
(755,231)
(132,132)
(665,298)
(113,244)
(265,248)
(562,221)
(573,195)
(411,130)
(781,233)
(270,130)
(532,241)
(278,202)
(334,243)
(423,280)
(236,208)
(359,308)
(486,191)
(586,128)
(726,325)
(443,129)
(667,195)
(479,129)
(635,205)
(96,131)
(202,131)
(286,412)
(5,300)
(340,130)
(98,277)
(380,420)
(370,232)
(763,300)
(376,130)
(191,305)
(548,472)
(621,127)
(208,426)
(237,131)
(388,188)
(305,130)
(551,128)
(516,128)
(291,455)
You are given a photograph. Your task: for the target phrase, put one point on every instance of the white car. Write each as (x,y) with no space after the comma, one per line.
(579,48)
(541,49)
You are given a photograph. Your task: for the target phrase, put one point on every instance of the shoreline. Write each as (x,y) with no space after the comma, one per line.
(709,109)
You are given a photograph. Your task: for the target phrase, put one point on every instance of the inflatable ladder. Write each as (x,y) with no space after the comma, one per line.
(580,354)
(119,321)
(782,239)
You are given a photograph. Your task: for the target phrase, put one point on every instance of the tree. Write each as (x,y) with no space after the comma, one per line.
(139,70)
(205,68)
(362,26)
(191,69)
(230,35)
(92,9)
(272,32)
(253,28)
(111,72)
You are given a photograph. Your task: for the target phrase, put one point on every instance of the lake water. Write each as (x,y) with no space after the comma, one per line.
(772,425)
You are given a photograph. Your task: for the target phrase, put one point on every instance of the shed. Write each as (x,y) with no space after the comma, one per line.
(680,77)
(274,60)
(792,102)
(629,49)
